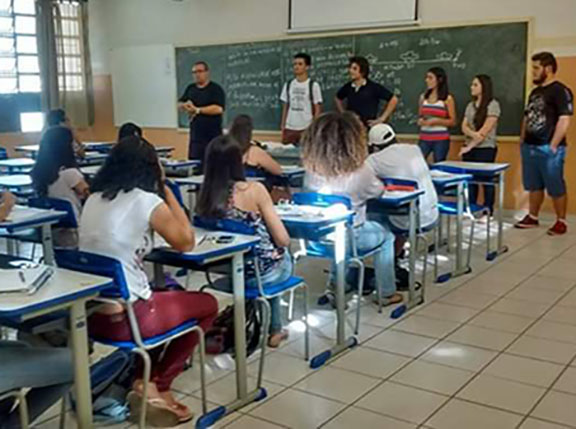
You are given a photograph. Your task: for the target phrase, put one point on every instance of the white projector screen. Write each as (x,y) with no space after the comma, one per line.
(318,15)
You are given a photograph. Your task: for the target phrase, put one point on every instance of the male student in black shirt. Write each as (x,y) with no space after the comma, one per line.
(362,95)
(543,138)
(204,101)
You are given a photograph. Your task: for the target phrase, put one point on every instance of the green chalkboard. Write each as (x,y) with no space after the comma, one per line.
(252,74)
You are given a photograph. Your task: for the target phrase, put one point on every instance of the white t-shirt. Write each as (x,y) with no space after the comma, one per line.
(63,188)
(359,186)
(121,229)
(405,161)
(300,112)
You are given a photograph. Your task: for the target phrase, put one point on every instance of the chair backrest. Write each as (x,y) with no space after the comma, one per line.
(227,225)
(320,200)
(91,263)
(176,191)
(69,221)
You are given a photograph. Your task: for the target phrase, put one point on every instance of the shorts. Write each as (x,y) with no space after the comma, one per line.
(543,169)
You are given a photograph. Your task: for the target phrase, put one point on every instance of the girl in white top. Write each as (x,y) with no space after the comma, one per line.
(56,175)
(334,152)
(129,202)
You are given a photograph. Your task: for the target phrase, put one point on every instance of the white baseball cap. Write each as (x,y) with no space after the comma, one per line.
(381,134)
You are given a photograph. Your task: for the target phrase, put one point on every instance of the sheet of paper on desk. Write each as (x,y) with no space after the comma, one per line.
(21,213)
(396,194)
(11,280)
(300,211)
(439,173)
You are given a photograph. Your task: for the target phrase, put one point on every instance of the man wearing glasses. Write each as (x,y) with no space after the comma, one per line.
(204,102)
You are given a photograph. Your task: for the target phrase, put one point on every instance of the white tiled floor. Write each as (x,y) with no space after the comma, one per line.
(494,349)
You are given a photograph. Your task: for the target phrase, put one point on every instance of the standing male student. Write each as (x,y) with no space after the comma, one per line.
(204,101)
(543,142)
(301,100)
(363,96)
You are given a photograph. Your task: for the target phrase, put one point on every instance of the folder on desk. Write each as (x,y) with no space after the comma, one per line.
(26,281)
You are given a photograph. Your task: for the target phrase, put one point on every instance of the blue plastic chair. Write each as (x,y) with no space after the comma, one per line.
(449,209)
(324,248)
(108,267)
(262,291)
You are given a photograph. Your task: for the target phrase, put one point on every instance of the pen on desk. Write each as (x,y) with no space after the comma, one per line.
(201,240)
(22,278)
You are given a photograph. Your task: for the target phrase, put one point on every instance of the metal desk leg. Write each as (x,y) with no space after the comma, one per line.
(342,343)
(500,217)
(79,342)
(414,298)
(243,396)
(47,245)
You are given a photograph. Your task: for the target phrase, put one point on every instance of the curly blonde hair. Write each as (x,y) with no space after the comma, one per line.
(334,144)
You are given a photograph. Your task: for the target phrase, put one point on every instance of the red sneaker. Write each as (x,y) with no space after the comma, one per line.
(527,222)
(559,228)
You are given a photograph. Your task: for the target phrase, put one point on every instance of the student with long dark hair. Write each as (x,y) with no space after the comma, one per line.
(226,194)
(58,118)
(129,129)
(129,202)
(479,127)
(437,113)
(252,155)
(56,175)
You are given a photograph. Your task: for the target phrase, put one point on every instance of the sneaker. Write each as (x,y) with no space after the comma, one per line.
(559,228)
(527,222)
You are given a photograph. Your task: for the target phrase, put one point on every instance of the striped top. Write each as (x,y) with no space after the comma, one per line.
(437,110)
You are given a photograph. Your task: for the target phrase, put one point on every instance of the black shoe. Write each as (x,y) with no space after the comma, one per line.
(406,288)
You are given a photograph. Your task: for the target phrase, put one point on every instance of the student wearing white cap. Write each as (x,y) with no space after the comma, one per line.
(402,161)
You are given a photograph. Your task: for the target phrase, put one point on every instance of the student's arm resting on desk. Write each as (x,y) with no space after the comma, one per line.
(170,221)
(6,203)
(263,160)
(271,218)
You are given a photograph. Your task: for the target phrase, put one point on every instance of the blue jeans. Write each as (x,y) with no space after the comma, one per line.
(370,236)
(439,148)
(282,272)
(543,169)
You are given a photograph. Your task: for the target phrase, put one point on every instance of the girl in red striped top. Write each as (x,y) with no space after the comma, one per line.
(437,114)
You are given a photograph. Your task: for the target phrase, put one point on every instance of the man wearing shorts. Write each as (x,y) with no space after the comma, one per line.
(543,137)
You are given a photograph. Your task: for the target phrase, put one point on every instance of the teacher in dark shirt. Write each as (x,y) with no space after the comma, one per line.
(363,96)
(204,101)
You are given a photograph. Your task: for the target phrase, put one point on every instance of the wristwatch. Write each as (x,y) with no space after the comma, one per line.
(198,110)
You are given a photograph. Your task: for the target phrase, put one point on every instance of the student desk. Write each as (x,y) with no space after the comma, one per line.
(98,146)
(444,181)
(92,158)
(30,150)
(291,173)
(66,290)
(206,252)
(16,165)
(19,184)
(90,170)
(314,223)
(180,167)
(485,173)
(23,217)
(390,203)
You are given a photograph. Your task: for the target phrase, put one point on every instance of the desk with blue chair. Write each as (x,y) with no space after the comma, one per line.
(208,251)
(69,291)
(22,218)
(103,147)
(16,165)
(314,225)
(18,184)
(397,202)
(490,174)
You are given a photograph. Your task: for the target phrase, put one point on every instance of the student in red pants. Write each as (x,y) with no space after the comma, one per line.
(129,202)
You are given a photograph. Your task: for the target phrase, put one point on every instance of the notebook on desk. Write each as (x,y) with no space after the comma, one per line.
(25,281)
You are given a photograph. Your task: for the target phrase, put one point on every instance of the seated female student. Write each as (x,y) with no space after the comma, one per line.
(56,175)
(252,156)
(58,118)
(334,152)
(128,203)
(479,127)
(226,194)
(129,129)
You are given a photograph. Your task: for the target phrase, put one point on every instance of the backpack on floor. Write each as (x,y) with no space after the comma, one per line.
(111,379)
(220,338)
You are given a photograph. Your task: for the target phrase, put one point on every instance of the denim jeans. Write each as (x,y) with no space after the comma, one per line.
(544,169)
(370,236)
(440,149)
(280,273)
(47,371)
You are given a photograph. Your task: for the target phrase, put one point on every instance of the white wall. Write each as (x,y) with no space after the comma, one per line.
(119,23)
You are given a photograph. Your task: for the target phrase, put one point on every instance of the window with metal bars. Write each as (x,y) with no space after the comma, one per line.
(69,48)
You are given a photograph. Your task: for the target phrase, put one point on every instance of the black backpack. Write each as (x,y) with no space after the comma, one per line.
(220,338)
